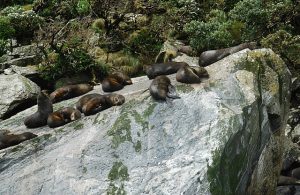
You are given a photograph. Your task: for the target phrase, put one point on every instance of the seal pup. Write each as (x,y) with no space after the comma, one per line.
(8,139)
(84,99)
(211,56)
(161,88)
(97,104)
(166,68)
(115,82)
(70,91)
(39,118)
(63,116)
(191,75)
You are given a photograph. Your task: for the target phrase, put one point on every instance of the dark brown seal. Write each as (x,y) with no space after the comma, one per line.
(69,91)
(161,88)
(167,68)
(115,82)
(191,74)
(7,139)
(211,56)
(39,118)
(97,104)
(84,99)
(63,116)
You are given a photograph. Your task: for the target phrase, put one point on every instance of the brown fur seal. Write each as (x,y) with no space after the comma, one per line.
(211,56)
(39,118)
(161,88)
(191,74)
(63,116)
(84,99)
(69,91)
(167,68)
(115,82)
(103,102)
(7,139)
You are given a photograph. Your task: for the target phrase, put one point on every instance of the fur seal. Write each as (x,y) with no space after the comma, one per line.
(39,118)
(115,82)
(161,88)
(84,99)
(70,91)
(97,104)
(191,74)
(63,116)
(211,56)
(166,68)
(8,139)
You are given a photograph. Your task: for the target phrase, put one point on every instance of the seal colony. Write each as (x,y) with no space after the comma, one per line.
(161,89)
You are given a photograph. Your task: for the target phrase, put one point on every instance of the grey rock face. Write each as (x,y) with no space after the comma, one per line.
(15,91)
(216,139)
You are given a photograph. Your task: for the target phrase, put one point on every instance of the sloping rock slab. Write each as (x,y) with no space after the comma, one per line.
(16,91)
(218,138)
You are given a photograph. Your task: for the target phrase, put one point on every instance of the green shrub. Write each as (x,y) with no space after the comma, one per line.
(98,25)
(23,22)
(6,30)
(77,61)
(262,17)
(215,33)
(66,9)
(285,44)
(144,42)
(83,7)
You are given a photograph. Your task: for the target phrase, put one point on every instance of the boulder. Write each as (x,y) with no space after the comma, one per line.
(17,92)
(223,136)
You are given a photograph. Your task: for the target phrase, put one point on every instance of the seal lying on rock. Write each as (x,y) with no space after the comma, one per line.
(208,57)
(115,82)
(63,116)
(102,102)
(166,68)
(7,139)
(39,118)
(70,91)
(191,74)
(161,88)
(83,100)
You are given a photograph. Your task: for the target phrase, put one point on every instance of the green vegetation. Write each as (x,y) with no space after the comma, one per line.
(130,33)
(118,173)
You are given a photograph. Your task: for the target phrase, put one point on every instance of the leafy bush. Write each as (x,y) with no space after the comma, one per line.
(83,7)
(261,18)
(23,23)
(144,42)
(285,44)
(6,30)
(78,60)
(215,33)
(66,9)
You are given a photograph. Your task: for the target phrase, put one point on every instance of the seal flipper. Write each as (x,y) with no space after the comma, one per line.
(172,92)
(94,111)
